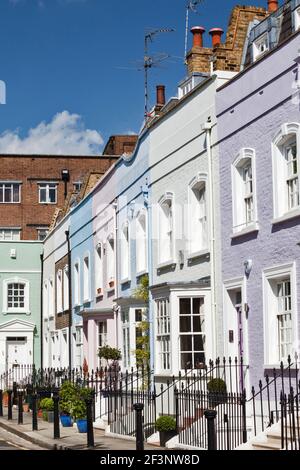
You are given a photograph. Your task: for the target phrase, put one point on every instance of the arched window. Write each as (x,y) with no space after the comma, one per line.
(110,261)
(86,278)
(141,242)
(99,268)
(59,293)
(125,250)
(198,226)
(166,228)
(77,291)
(243,191)
(286,162)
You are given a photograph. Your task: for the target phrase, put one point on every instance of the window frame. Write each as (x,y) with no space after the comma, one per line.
(111,264)
(261,39)
(125,255)
(167,197)
(77,283)
(12,184)
(201,178)
(47,184)
(239,196)
(281,140)
(86,278)
(59,291)
(271,277)
(11,230)
(13,310)
(99,269)
(141,243)
(163,334)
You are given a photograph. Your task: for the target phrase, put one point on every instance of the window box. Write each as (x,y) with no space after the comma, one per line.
(167,264)
(198,254)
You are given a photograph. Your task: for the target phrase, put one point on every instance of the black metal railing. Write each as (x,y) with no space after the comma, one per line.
(290,420)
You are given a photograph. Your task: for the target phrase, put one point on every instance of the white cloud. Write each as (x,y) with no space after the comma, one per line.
(64,135)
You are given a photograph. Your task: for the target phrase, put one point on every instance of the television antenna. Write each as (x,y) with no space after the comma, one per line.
(191,6)
(152,61)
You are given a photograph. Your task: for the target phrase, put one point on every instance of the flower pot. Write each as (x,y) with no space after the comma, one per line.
(5,399)
(66,421)
(99,291)
(50,416)
(165,436)
(40,413)
(26,407)
(111,284)
(82,425)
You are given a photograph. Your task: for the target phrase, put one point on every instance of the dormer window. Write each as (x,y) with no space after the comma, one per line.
(260,46)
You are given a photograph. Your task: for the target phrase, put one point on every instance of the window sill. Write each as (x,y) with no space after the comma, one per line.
(287,216)
(48,203)
(245,231)
(86,301)
(277,366)
(125,280)
(167,264)
(16,312)
(109,290)
(198,254)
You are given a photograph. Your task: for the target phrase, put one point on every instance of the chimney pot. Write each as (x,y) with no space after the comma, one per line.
(160,95)
(216,34)
(197,32)
(272,5)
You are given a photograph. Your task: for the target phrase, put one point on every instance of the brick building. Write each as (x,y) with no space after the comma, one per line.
(32,187)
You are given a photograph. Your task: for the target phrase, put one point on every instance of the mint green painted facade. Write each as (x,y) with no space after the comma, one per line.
(20,309)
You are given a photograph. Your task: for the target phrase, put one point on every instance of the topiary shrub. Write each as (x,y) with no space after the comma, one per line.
(217,392)
(217,385)
(165,423)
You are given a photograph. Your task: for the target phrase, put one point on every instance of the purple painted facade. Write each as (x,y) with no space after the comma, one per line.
(251,110)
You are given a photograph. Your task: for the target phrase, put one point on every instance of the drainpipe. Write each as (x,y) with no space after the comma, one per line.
(208,127)
(67,233)
(42,309)
(116,310)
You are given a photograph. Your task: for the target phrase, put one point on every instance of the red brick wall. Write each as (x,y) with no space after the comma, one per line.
(29,214)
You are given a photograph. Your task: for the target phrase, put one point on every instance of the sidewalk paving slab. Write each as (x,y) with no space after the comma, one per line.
(70,438)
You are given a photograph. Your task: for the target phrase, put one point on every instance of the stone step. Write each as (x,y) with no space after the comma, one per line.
(266,445)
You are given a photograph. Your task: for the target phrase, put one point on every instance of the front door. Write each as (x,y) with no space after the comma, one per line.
(17,352)
(240,333)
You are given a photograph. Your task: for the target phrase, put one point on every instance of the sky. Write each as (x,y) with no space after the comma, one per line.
(71,67)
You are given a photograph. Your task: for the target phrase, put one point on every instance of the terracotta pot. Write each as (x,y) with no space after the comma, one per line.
(26,407)
(111,283)
(40,413)
(5,399)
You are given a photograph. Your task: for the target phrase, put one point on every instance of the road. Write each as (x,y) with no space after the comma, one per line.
(10,441)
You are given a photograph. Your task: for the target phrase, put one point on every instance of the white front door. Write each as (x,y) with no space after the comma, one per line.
(17,352)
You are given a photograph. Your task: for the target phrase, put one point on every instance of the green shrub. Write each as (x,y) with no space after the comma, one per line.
(109,354)
(68,394)
(217,386)
(78,409)
(165,423)
(47,404)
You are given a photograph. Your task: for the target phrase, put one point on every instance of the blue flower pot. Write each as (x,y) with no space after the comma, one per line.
(82,425)
(66,421)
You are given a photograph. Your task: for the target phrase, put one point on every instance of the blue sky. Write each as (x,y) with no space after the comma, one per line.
(66,56)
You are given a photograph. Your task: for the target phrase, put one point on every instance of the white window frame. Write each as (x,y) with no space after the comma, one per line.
(59,291)
(11,184)
(51,298)
(270,302)
(239,216)
(42,229)
(126,338)
(141,243)
(66,288)
(102,334)
(263,39)
(26,308)
(202,246)
(46,299)
(86,278)
(77,284)
(297,18)
(12,231)
(125,252)
(163,332)
(47,185)
(166,236)
(110,261)
(281,209)
(99,265)
(192,334)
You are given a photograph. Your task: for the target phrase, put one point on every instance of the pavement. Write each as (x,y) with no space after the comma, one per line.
(70,438)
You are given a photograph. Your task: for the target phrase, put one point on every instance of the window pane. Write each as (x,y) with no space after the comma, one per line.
(43,197)
(52,194)
(7,193)
(199,343)
(186,361)
(16,193)
(185,324)
(185,307)
(186,343)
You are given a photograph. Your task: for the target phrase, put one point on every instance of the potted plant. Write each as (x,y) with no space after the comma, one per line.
(99,291)
(5,398)
(78,411)
(26,405)
(166,426)
(67,395)
(111,283)
(217,392)
(47,405)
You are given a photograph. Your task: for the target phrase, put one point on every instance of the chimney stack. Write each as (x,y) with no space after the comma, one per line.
(272,5)
(160,95)
(197,32)
(216,34)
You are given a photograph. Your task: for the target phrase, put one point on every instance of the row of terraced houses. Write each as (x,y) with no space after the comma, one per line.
(205,206)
